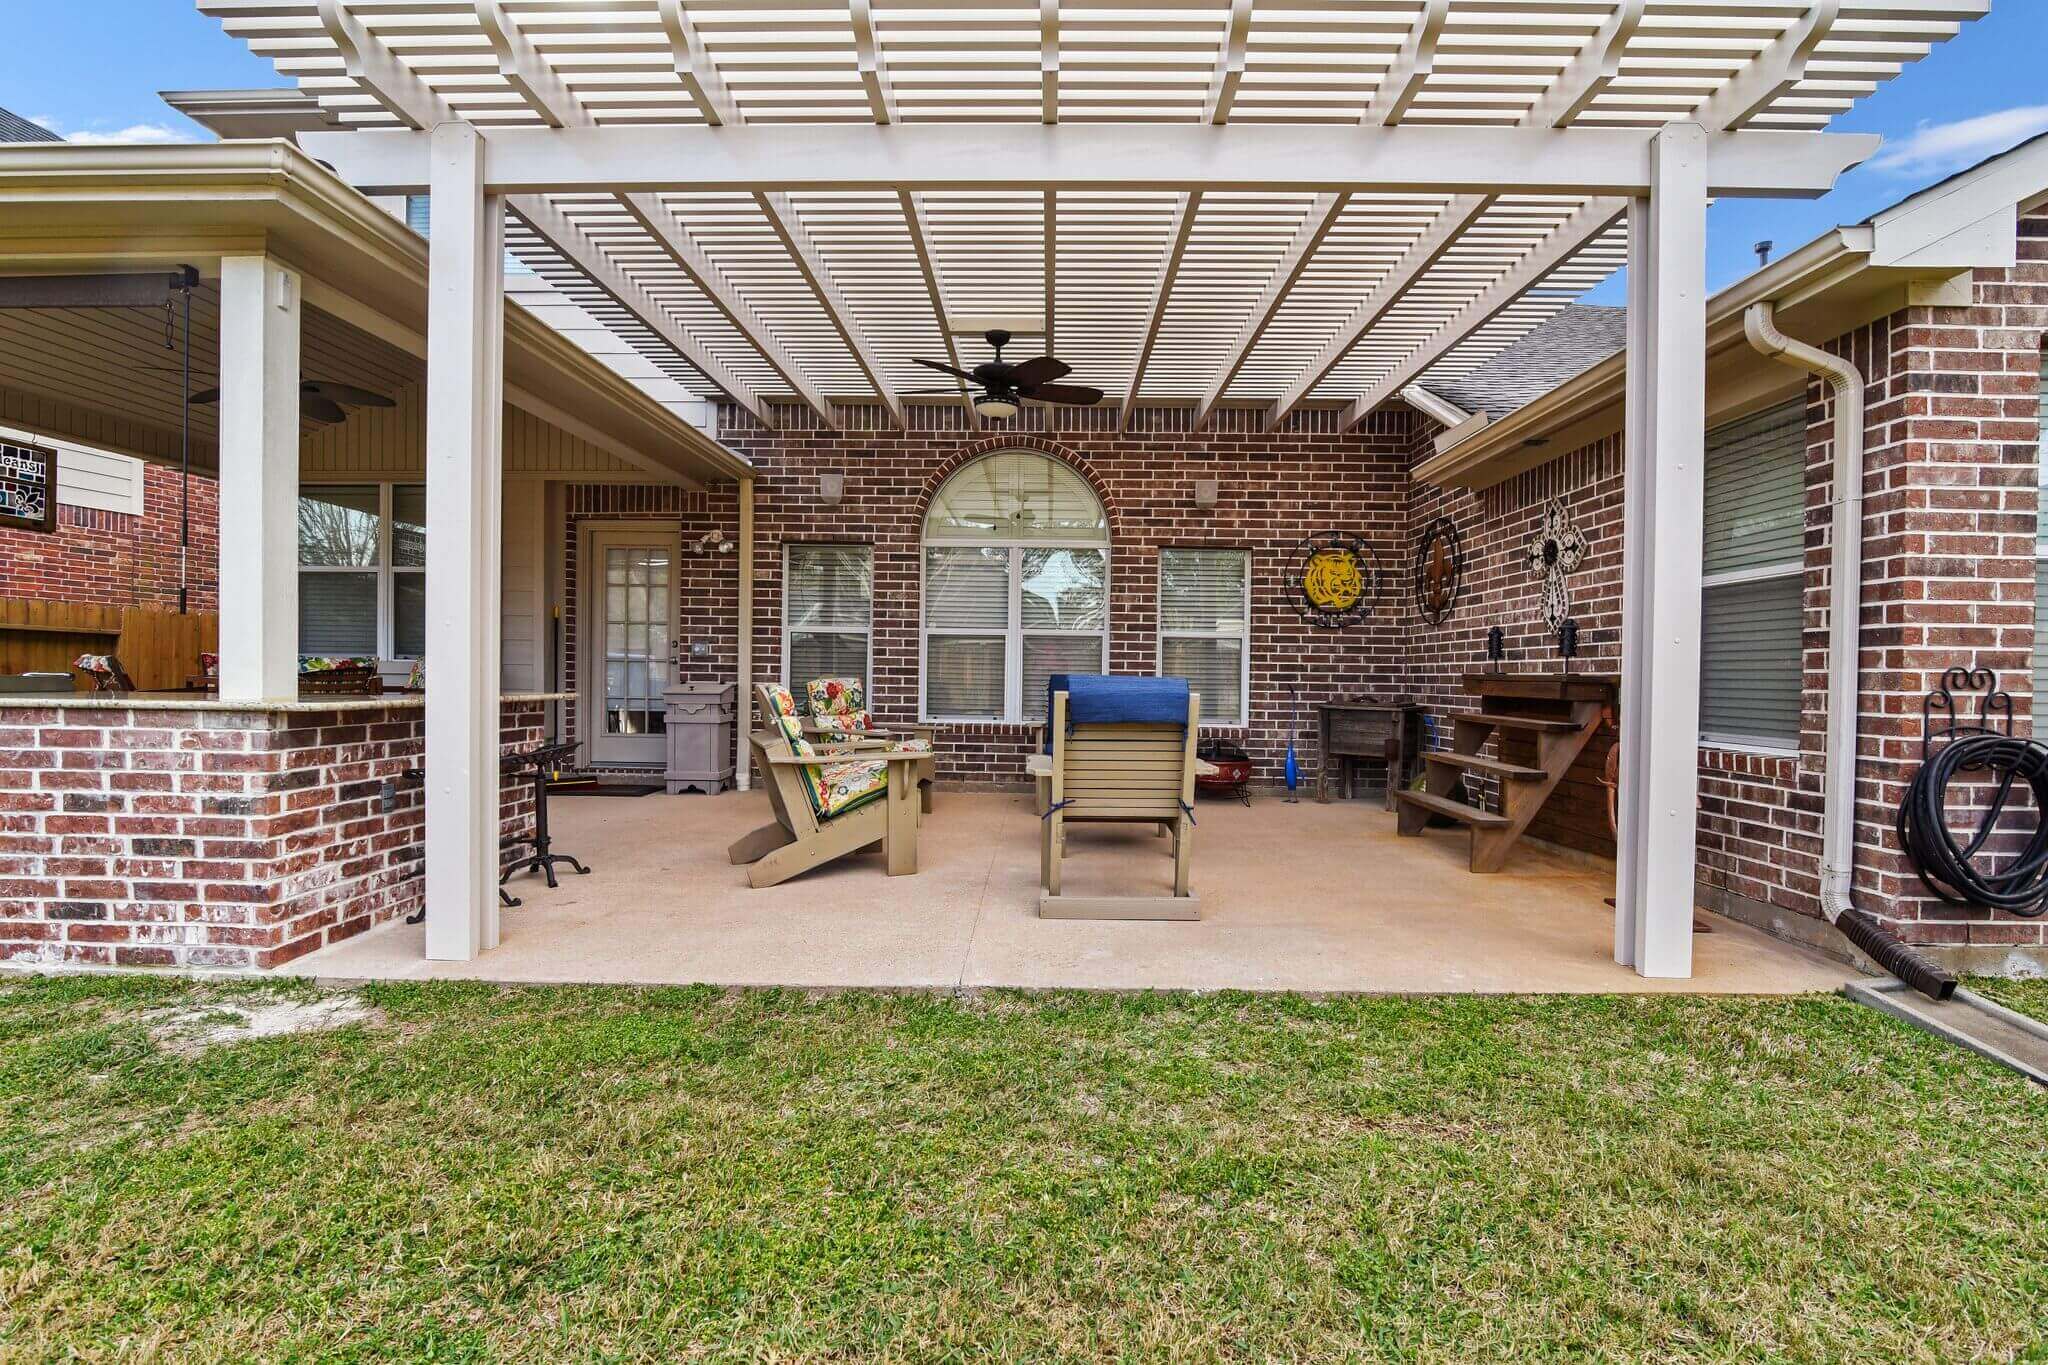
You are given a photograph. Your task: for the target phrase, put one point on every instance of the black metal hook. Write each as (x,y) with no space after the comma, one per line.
(1993,706)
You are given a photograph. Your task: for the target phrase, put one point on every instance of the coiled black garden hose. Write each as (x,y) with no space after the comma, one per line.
(1950,868)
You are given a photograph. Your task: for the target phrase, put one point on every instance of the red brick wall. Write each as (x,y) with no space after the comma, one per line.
(1497,525)
(1951,470)
(117,558)
(1950,523)
(223,839)
(1273,490)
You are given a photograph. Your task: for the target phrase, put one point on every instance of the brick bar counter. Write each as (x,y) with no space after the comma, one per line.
(174,831)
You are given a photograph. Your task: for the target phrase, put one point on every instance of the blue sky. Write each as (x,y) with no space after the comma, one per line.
(91,69)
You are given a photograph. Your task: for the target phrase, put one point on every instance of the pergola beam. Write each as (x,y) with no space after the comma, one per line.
(1411,68)
(1162,291)
(654,218)
(1048,61)
(1594,218)
(557,104)
(575,246)
(1440,236)
(1575,89)
(370,63)
(693,66)
(928,266)
(1096,156)
(1315,225)
(796,239)
(1762,79)
(1774,71)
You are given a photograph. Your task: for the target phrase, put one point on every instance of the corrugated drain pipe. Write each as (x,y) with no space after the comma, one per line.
(1838,817)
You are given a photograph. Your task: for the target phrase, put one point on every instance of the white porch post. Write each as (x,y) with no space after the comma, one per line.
(743,704)
(259,479)
(1662,541)
(465,480)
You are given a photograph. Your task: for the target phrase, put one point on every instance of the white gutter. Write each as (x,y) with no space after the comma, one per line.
(1845,617)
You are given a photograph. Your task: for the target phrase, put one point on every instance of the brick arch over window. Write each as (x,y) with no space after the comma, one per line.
(992,445)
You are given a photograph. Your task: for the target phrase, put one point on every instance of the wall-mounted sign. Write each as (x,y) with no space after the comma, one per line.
(1336,579)
(28,487)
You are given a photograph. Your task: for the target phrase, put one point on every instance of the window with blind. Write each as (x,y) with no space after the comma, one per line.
(1016,587)
(1750,659)
(363,570)
(1205,601)
(827,613)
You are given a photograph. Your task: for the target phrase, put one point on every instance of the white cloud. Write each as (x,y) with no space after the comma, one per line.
(1941,148)
(134,134)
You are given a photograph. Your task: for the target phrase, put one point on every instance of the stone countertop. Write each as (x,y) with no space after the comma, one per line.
(187,701)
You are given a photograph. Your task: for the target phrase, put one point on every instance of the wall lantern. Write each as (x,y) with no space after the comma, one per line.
(1205,493)
(831,487)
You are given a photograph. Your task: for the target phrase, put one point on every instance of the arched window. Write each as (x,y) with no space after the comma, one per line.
(1016,587)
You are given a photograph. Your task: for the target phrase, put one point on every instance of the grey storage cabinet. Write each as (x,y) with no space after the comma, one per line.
(700,721)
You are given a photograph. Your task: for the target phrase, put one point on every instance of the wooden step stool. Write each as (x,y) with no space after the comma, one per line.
(1560,712)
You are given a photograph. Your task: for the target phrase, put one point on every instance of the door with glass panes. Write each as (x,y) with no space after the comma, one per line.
(629,605)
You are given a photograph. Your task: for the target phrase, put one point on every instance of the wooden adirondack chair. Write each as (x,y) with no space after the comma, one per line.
(829,800)
(838,711)
(1120,774)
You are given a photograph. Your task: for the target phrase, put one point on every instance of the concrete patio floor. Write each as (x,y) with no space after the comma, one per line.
(1294,897)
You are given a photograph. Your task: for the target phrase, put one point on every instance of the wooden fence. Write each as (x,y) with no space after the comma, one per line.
(159,649)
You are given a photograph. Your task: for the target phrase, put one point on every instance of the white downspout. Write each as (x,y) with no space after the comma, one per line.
(1845,618)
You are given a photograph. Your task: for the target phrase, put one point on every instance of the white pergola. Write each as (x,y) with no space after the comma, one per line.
(1239,203)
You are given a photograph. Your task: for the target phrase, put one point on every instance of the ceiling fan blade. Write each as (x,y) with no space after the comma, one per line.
(952,389)
(345,393)
(944,369)
(1078,395)
(320,409)
(205,396)
(1043,370)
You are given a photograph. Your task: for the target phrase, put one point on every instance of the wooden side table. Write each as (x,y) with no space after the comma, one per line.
(1390,731)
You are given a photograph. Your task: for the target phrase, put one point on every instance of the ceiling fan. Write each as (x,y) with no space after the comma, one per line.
(320,400)
(1004,387)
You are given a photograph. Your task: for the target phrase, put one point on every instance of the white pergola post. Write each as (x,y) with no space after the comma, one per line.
(1662,543)
(743,704)
(465,481)
(259,479)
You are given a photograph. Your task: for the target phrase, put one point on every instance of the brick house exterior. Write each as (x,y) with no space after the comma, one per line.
(118,558)
(126,839)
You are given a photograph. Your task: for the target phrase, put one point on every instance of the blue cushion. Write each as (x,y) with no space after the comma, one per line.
(1095,699)
(1057,682)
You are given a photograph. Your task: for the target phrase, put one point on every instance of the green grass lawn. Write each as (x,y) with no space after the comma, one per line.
(554,1174)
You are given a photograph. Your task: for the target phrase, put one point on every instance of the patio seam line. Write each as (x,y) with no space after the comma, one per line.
(980,912)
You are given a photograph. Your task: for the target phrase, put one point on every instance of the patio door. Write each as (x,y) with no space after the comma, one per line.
(629,605)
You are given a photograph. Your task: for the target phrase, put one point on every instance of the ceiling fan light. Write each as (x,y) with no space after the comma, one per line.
(989,405)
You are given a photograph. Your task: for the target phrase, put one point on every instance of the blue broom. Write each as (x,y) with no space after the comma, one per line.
(1293,763)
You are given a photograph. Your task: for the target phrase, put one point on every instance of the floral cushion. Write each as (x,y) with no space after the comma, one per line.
(835,697)
(839,705)
(832,787)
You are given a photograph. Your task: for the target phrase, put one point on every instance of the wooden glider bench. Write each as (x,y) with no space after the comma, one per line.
(1119,774)
(803,836)
(1560,714)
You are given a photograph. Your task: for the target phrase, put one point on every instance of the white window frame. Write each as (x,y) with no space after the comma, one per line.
(1014,634)
(1243,634)
(387,572)
(866,632)
(1760,573)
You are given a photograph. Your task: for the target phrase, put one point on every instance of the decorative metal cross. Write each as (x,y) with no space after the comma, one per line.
(1554,552)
